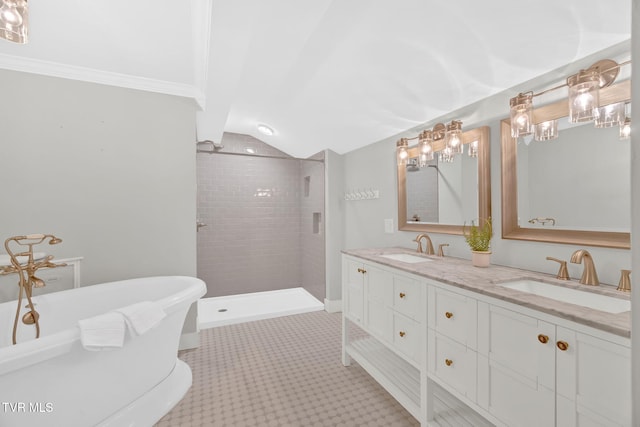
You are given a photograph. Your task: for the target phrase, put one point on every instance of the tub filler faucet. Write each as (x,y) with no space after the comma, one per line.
(24,264)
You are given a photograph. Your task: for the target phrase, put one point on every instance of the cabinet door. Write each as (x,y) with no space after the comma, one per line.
(593,381)
(519,364)
(453,363)
(407,296)
(378,296)
(353,290)
(407,337)
(453,315)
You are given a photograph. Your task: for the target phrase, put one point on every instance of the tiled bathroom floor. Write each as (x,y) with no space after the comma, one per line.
(281,372)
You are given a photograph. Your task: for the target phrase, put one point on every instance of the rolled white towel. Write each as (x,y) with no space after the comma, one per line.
(103,332)
(142,316)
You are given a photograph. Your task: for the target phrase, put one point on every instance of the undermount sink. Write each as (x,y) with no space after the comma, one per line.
(573,296)
(411,259)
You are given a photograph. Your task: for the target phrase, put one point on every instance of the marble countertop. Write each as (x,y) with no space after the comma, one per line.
(462,274)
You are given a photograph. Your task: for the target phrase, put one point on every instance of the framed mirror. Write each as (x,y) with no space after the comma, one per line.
(442,196)
(574,189)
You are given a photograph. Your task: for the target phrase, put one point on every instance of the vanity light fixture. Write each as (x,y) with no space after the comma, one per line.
(584,99)
(446,140)
(14,21)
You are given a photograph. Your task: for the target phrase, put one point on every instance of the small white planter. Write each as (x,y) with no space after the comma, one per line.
(481,258)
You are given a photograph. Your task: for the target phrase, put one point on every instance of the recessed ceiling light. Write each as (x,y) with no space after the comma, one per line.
(265,130)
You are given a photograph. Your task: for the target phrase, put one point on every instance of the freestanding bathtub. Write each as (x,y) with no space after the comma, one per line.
(54,381)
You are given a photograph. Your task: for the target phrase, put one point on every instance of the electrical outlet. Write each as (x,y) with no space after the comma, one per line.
(388,225)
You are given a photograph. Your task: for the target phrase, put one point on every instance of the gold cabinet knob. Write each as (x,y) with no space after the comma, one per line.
(562,345)
(448,315)
(362,270)
(402,294)
(543,338)
(402,333)
(448,362)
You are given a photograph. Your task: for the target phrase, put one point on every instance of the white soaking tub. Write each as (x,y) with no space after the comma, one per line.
(55,381)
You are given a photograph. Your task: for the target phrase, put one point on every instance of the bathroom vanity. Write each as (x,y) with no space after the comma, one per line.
(460,345)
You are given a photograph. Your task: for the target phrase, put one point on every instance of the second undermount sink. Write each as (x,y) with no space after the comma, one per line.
(573,296)
(411,259)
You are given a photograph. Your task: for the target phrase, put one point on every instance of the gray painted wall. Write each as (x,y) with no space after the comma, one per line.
(109,170)
(334,237)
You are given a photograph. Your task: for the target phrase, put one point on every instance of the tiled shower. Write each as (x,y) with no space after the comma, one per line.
(264,216)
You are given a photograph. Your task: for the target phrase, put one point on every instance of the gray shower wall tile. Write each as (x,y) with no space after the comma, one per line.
(259,231)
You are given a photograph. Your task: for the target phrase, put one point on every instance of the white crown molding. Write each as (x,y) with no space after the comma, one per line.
(65,71)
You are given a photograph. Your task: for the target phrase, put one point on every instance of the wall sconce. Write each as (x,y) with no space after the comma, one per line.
(584,102)
(14,20)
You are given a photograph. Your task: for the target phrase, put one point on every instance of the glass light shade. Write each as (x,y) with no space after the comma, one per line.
(402,154)
(609,115)
(473,148)
(625,128)
(584,95)
(521,112)
(426,150)
(546,131)
(453,137)
(14,20)
(446,155)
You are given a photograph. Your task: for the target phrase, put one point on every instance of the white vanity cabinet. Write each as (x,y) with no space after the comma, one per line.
(533,372)
(500,362)
(388,305)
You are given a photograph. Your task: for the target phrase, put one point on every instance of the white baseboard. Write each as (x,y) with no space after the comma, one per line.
(189,341)
(332,306)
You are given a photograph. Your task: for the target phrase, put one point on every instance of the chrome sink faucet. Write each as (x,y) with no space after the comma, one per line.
(418,239)
(589,275)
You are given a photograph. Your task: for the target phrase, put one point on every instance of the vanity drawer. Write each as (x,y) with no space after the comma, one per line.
(406,337)
(454,316)
(453,363)
(407,294)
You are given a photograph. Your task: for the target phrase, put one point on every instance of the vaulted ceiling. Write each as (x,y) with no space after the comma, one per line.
(337,74)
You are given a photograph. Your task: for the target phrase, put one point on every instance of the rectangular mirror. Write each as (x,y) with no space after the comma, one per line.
(574,189)
(442,196)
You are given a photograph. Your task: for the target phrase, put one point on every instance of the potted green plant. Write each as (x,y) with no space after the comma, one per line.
(478,238)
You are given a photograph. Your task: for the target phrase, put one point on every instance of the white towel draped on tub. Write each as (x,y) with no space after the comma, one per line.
(142,316)
(103,332)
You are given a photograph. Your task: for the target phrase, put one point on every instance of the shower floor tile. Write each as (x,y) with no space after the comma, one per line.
(229,310)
